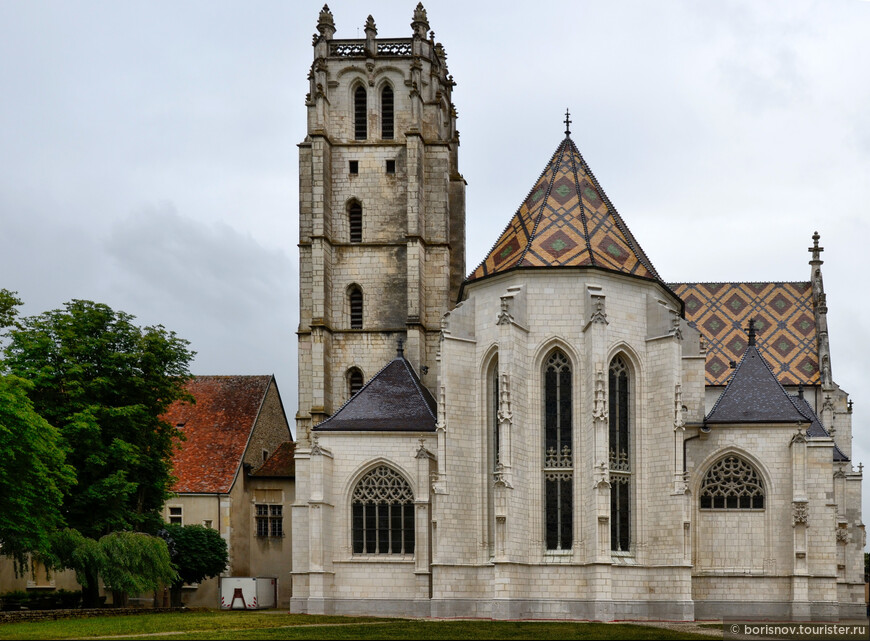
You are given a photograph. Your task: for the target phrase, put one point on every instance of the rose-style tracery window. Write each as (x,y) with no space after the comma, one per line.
(732,483)
(382,507)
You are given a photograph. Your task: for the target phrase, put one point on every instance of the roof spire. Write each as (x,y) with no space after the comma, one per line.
(400,350)
(816,250)
(751,332)
(567,122)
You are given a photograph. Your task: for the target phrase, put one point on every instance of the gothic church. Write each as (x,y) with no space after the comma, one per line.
(560,433)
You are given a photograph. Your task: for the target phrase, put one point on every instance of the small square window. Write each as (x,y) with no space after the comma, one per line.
(391,166)
(353,167)
(175,515)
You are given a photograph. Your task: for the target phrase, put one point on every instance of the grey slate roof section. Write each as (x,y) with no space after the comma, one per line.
(816,428)
(394,400)
(753,395)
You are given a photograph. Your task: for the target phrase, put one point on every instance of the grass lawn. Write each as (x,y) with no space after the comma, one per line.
(272,625)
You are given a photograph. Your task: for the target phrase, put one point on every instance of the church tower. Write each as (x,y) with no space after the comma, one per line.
(381,212)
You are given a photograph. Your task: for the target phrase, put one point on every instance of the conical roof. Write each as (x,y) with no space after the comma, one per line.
(393,400)
(567,221)
(753,395)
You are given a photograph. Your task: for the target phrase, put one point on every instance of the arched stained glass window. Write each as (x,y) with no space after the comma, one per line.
(382,513)
(558,453)
(732,484)
(620,456)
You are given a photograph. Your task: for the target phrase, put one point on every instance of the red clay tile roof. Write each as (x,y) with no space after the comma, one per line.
(567,221)
(217,428)
(784,319)
(281,463)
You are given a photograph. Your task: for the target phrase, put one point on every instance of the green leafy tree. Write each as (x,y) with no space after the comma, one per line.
(135,562)
(104,383)
(197,552)
(71,551)
(9,303)
(33,475)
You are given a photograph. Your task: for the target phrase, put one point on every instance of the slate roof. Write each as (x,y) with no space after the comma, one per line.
(567,221)
(816,428)
(394,400)
(280,464)
(784,320)
(753,395)
(217,428)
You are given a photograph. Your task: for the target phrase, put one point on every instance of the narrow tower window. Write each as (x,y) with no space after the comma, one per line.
(387,127)
(354,221)
(355,297)
(354,380)
(558,454)
(360,129)
(620,457)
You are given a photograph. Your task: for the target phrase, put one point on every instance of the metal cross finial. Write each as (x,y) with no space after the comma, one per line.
(751,331)
(815,249)
(567,123)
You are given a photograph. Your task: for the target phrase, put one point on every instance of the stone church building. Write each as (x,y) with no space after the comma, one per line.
(560,433)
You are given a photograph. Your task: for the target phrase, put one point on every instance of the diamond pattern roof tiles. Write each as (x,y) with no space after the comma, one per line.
(784,319)
(567,221)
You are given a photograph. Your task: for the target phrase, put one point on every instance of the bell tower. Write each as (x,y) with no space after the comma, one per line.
(381,211)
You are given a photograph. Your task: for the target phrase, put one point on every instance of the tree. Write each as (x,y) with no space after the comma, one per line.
(33,475)
(197,553)
(104,383)
(9,303)
(135,562)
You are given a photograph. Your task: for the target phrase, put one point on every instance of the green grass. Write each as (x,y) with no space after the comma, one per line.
(262,625)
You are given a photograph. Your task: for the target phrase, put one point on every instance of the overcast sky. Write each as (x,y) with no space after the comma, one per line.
(148,149)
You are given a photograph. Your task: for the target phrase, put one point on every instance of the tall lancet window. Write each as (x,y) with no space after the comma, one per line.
(360,114)
(492,445)
(620,456)
(558,454)
(387,126)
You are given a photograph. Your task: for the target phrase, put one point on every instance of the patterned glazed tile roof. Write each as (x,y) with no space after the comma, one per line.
(281,463)
(784,321)
(217,428)
(567,221)
(754,395)
(393,400)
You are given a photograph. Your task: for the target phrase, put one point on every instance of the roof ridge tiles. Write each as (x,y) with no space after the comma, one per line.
(561,151)
(582,206)
(508,225)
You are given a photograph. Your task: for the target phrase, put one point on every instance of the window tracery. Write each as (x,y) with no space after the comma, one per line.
(558,461)
(620,456)
(382,513)
(732,483)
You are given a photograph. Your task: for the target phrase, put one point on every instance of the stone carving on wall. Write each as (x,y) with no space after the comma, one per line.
(504,314)
(599,315)
(800,512)
(843,535)
(679,422)
(316,450)
(599,406)
(504,399)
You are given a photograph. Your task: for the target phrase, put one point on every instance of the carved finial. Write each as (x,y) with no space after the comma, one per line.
(567,122)
(815,249)
(325,23)
(751,332)
(400,349)
(850,407)
(420,23)
(800,390)
(370,25)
